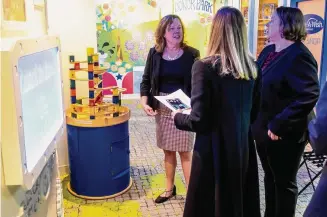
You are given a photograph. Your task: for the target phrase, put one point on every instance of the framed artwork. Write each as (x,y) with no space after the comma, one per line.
(14,10)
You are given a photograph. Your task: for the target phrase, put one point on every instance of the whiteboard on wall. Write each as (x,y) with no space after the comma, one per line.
(41,101)
(32,107)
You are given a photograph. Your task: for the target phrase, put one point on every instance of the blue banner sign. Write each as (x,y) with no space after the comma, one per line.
(314,23)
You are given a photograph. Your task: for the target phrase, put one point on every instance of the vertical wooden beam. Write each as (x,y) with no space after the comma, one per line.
(214,7)
(173,6)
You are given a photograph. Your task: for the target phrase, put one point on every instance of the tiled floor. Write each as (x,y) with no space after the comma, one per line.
(149,180)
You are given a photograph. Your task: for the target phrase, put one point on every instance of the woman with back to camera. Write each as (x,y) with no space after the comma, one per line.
(168,68)
(290,90)
(224,175)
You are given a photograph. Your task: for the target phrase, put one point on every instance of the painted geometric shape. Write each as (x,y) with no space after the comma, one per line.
(107,81)
(128,83)
(119,77)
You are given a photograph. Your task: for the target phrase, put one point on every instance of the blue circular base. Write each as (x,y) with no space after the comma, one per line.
(99,159)
(98,198)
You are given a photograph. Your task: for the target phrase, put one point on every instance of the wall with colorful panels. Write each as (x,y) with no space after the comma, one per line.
(125,33)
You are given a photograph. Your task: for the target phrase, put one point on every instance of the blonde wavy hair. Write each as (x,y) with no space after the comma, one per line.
(229,44)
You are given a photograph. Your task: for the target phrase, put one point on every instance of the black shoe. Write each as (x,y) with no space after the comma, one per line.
(161,199)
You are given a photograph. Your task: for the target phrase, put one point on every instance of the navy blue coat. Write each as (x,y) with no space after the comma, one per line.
(318,126)
(318,140)
(224,176)
(289,93)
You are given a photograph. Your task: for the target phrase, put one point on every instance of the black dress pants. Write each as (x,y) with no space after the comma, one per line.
(280,161)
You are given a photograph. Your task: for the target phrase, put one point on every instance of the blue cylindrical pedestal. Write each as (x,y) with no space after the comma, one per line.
(99,160)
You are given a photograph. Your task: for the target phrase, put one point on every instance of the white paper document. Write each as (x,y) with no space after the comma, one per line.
(176,100)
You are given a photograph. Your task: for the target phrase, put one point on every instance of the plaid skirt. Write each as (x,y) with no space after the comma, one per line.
(168,136)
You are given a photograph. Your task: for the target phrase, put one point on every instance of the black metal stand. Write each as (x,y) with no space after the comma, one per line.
(318,161)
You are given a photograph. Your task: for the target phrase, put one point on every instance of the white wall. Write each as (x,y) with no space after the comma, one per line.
(13,197)
(74,21)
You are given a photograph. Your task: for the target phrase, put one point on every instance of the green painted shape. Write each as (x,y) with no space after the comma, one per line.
(107,44)
(111,39)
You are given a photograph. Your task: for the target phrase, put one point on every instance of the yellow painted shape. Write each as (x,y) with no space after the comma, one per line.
(139,106)
(77,207)
(103,209)
(156,184)
(71,213)
(95,211)
(70,201)
(127,101)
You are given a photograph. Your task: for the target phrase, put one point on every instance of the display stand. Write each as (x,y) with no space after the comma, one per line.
(98,137)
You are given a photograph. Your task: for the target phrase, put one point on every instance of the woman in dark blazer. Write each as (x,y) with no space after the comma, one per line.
(168,68)
(224,176)
(290,90)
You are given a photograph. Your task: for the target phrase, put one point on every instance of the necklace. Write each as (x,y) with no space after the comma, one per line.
(173,58)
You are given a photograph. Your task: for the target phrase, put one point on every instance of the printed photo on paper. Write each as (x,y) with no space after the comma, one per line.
(177,100)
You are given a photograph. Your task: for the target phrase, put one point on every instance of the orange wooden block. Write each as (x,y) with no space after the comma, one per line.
(72,92)
(79,109)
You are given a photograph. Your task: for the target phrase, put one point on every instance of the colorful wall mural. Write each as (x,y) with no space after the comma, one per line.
(126,28)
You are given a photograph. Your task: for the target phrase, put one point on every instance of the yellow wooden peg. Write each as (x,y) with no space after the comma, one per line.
(115,92)
(72,74)
(90,51)
(95,57)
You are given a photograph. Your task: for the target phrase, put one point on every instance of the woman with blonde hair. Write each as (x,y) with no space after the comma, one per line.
(168,68)
(224,175)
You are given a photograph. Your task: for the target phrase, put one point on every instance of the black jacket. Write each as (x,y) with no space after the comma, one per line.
(289,92)
(224,178)
(150,80)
